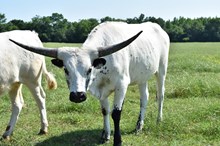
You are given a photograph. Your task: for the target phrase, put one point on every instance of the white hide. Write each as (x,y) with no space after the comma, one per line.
(19,66)
(134,64)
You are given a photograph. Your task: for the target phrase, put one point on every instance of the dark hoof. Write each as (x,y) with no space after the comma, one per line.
(42,132)
(118,144)
(104,141)
(138,130)
(5,138)
(104,138)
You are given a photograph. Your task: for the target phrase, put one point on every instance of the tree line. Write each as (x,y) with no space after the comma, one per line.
(56,28)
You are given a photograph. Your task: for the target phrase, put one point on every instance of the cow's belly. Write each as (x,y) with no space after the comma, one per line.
(140,73)
(140,77)
(5,83)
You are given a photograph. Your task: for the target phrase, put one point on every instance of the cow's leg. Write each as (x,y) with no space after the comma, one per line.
(40,96)
(105,112)
(17,103)
(143,88)
(160,92)
(116,113)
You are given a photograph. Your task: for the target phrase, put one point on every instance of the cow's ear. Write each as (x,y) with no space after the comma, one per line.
(98,63)
(57,62)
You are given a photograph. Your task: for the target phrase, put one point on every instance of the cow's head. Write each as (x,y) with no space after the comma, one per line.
(78,63)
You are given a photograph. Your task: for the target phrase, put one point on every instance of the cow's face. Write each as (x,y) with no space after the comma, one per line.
(78,64)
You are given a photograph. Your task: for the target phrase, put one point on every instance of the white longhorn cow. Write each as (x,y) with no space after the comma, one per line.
(19,67)
(97,68)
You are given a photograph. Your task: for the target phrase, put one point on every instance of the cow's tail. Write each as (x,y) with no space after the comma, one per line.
(51,81)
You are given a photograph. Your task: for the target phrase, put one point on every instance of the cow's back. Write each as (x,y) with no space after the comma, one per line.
(18,65)
(146,51)
(137,62)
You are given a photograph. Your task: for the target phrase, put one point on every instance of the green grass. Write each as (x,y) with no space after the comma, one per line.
(191,107)
(56,45)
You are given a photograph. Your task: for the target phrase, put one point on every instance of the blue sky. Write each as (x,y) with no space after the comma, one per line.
(74,10)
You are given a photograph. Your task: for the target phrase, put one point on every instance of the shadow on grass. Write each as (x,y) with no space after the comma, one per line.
(75,138)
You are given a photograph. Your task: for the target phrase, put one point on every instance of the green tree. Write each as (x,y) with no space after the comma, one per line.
(43,27)
(51,28)
(71,32)
(59,27)
(212,28)
(56,28)
(107,18)
(83,28)
(196,31)
(2,22)
(175,32)
(16,24)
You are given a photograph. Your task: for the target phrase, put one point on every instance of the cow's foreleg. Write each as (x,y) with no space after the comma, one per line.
(116,113)
(105,112)
(17,103)
(116,116)
(143,88)
(39,96)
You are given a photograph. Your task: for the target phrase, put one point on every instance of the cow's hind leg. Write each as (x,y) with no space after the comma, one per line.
(40,96)
(144,94)
(17,103)
(160,92)
(105,112)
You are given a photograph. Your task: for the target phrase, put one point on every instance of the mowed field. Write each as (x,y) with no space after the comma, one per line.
(191,107)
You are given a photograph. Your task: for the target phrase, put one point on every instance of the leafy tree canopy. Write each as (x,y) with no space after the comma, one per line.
(56,28)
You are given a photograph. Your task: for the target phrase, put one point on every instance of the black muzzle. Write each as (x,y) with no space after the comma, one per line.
(77,97)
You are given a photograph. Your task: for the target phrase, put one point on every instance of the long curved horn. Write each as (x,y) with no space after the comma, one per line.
(104,51)
(50,52)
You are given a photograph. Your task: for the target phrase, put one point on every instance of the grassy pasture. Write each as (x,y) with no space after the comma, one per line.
(191,107)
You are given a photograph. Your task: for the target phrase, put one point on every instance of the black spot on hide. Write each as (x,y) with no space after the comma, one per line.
(57,62)
(7,128)
(104,112)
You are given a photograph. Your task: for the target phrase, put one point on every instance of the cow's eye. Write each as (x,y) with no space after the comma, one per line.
(89,71)
(66,71)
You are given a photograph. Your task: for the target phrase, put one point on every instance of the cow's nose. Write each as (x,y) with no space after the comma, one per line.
(77,97)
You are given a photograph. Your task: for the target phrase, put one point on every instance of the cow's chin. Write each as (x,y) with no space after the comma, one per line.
(77,97)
